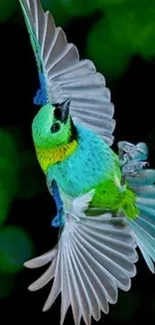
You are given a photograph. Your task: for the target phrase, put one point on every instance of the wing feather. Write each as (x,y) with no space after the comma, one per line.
(95,256)
(64,76)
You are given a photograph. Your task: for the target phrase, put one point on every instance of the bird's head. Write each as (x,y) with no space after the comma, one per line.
(53,126)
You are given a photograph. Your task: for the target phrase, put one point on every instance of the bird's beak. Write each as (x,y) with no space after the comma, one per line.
(62,111)
(65,110)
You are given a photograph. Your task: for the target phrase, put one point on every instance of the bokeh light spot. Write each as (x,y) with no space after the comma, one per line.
(15,248)
(7,144)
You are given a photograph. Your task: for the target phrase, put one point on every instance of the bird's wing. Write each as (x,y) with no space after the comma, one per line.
(64,76)
(94,257)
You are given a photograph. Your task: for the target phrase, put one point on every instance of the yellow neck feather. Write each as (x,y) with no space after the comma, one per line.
(48,157)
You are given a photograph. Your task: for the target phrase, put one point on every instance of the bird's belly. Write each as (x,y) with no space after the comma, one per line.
(107,193)
(75,180)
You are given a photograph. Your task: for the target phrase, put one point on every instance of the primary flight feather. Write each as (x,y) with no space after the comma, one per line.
(105,202)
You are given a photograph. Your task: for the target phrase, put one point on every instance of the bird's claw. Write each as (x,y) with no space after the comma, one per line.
(58,221)
(129,151)
(132,157)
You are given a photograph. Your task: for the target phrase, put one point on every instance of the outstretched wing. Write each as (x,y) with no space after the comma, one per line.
(94,257)
(63,75)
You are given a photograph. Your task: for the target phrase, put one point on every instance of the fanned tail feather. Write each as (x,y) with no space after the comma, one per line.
(143,225)
(94,257)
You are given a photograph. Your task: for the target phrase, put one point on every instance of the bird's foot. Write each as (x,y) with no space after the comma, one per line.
(58,221)
(129,151)
(132,158)
(133,167)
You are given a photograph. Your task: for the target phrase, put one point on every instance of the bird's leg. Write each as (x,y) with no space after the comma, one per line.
(54,191)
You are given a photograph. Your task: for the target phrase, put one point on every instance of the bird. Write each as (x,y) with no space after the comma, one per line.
(105,200)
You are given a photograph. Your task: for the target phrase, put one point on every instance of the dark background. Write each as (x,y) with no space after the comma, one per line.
(32,208)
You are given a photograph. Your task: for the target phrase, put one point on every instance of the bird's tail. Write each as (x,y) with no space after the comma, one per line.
(143,225)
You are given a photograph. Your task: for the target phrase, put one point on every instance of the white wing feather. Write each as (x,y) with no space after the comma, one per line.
(93,258)
(66,75)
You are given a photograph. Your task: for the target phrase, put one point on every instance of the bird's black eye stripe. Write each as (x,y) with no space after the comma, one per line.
(55,127)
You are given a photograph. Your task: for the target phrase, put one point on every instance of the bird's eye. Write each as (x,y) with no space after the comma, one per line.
(55,127)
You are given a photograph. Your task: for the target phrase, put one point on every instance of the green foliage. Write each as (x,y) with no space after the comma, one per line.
(15,248)
(61,16)
(110,3)
(16,164)
(104,4)
(110,57)
(8,173)
(4,204)
(126,30)
(6,284)
(30,178)
(80,7)
(20,175)
(133,26)
(30,181)
(7,9)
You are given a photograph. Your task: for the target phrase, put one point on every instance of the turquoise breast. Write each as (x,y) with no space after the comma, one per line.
(91,163)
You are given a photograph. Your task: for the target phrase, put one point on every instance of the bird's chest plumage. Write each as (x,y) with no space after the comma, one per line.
(88,166)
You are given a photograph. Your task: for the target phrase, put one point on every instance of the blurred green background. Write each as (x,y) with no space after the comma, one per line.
(119,36)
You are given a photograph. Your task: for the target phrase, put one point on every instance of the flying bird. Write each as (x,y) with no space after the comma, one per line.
(105,201)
